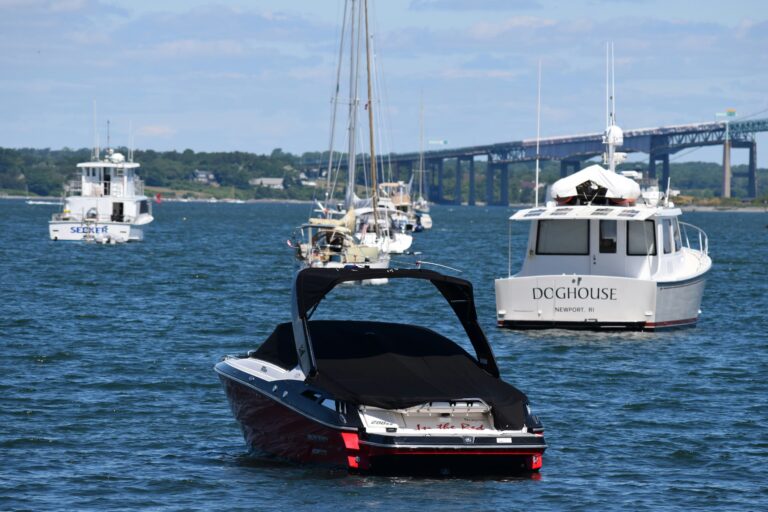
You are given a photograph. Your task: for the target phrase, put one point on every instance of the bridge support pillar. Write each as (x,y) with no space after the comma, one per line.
(489,169)
(440,181)
(652,174)
(752,184)
(727,169)
(505,184)
(429,180)
(566,166)
(457,187)
(471,199)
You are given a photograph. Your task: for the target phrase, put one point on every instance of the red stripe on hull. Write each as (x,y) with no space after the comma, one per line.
(671,323)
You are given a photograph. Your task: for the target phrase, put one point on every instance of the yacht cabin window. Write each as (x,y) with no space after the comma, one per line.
(676,235)
(666,233)
(563,237)
(608,236)
(641,238)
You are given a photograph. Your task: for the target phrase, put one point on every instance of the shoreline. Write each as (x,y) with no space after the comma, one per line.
(684,208)
(176,200)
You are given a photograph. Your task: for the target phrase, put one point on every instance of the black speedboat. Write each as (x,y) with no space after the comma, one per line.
(378,396)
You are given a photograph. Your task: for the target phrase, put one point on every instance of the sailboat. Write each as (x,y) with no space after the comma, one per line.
(379,222)
(421,205)
(341,237)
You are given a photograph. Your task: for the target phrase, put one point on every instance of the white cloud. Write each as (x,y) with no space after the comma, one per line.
(198,48)
(157,130)
(491,30)
(66,5)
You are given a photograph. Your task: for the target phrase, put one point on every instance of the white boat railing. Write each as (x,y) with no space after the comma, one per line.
(75,188)
(700,238)
(92,219)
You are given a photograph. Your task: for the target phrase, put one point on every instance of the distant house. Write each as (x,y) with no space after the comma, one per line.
(276,183)
(204,177)
(306,181)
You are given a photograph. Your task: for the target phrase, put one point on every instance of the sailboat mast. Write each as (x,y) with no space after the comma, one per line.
(374,167)
(421,146)
(352,128)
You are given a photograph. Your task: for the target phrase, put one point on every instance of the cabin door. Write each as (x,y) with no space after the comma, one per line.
(608,248)
(117,212)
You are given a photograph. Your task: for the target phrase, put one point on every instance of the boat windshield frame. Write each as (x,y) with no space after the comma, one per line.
(311,285)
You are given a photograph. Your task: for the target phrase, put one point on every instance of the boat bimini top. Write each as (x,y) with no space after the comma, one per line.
(311,285)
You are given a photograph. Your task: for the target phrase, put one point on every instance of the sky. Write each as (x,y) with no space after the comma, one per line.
(219,75)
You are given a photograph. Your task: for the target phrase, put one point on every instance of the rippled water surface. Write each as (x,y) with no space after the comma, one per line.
(108,399)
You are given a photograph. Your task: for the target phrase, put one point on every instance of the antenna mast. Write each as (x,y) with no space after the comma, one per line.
(95,155)
(538,135)
(613,135)
(130,141)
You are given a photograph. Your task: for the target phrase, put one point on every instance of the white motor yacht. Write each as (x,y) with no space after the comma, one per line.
(105,203)
(602,254)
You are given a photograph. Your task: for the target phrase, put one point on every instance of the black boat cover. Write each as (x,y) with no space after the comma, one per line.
(394,366)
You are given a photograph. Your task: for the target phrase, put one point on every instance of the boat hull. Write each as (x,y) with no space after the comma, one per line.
(597,302)
(275,425)
(102,231)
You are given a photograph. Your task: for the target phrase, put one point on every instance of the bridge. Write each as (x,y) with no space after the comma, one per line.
(571,152)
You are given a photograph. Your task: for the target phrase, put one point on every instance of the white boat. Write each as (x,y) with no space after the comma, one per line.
(391,236)
(605,255)
(36,202)
(420,205)
(105,203)
(381,397)
(329,243)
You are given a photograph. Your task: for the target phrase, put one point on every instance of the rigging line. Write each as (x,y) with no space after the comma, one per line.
(380,93)
(334,103)
(678,155)
(754,114)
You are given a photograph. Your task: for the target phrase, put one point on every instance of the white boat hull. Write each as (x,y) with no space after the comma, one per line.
(381,263)
(597,302)
(425,220)
(98,232)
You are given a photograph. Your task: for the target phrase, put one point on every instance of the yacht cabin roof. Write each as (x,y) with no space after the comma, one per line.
(594,212)
(121,165)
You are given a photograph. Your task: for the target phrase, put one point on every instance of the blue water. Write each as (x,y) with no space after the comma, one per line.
(108,399)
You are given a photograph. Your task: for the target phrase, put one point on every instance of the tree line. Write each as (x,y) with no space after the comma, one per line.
(43,172)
